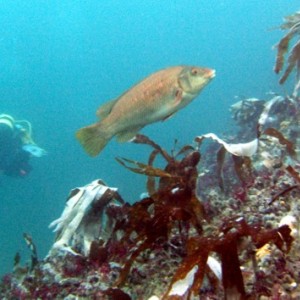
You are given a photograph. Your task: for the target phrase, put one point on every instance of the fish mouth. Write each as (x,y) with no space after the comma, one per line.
(211,73)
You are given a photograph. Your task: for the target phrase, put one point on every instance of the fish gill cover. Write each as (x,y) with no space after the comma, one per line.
(217,222)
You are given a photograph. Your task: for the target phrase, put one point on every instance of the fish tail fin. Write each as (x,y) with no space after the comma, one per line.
(92,139)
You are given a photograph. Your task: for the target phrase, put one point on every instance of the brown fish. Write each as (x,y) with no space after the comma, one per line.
(155,98)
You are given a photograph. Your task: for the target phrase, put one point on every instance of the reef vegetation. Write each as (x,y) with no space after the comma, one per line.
(219,220)
(292,26)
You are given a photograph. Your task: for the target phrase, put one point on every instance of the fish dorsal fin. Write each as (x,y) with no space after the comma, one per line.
(125,136)
(105,109)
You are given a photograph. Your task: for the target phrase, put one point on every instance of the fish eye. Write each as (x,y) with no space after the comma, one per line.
(194,71)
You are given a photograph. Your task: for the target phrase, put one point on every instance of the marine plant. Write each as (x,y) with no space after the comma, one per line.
(292,26)
(174,204)
(289,188)
(226,244)
(168,235)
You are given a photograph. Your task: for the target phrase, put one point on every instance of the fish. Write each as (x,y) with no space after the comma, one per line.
(156,98)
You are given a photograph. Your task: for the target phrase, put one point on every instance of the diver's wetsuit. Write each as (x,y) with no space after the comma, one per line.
(14,161)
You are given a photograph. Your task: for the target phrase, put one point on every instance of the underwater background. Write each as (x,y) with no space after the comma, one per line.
(60,60)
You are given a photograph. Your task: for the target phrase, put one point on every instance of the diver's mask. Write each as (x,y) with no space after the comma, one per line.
(34,150)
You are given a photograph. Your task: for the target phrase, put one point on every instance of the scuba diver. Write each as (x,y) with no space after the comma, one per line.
(16,146)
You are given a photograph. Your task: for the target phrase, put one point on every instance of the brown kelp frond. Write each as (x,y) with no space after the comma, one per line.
(142,168)
(243,169)
(153,219)
(184,150)
(290,147)
(190,274)
(142,139)
(292,25)
(32,247)
(177,171)
(293,62)
(281,193)
(284,192)
(21,271)
(294,173)
(281,237)
(220,164)
(171,206)
(282,47)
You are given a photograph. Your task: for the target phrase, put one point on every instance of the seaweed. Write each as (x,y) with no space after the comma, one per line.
(292,25)
(294,173)
(220,164)
(33,250)
(116,294)
(290,147)
(226,246)
(152,220)
(281,193)
(182,172)
(172,205)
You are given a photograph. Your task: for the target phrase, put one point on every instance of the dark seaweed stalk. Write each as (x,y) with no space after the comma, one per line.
(290,147)
(282,193)
(32,247)
(296,176)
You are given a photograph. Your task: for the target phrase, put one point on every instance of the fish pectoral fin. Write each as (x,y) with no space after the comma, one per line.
(127,135)
(105,109)
(178,96)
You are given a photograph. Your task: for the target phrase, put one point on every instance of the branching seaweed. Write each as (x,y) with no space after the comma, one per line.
(292,25)
(174,205)
(183,172)
(226,246)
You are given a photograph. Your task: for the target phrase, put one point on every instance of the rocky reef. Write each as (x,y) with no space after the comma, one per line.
(219,221)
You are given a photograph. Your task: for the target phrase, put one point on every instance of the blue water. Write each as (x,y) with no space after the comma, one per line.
(61,59)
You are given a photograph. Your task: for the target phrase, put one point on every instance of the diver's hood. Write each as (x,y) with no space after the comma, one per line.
(7,120)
